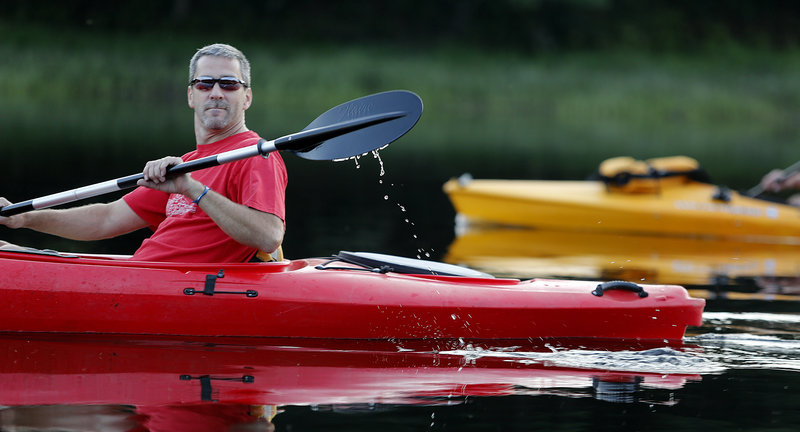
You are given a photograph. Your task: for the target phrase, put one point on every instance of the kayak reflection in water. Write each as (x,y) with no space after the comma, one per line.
(227,213)
(212,417)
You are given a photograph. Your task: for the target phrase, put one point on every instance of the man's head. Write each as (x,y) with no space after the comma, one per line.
(221,50)
(219,89)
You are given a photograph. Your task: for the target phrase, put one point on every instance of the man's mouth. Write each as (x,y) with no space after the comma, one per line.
(216,106)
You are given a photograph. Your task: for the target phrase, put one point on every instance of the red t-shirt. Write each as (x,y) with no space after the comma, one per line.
(183,232)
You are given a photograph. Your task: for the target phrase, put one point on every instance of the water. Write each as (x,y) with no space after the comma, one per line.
(715,379)
(739,371)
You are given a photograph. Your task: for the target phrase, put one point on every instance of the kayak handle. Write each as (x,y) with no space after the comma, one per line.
(211,283)
(621,285)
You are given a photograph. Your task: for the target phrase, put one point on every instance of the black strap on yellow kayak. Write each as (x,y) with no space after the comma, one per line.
(626,174)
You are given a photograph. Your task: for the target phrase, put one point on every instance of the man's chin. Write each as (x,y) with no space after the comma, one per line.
(215,124)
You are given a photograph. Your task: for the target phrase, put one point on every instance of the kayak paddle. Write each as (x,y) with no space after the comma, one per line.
(350,129)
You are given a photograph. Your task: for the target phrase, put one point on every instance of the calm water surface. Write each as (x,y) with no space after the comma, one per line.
(739,371)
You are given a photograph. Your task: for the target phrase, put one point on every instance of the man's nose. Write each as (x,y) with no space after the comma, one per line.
(216,91)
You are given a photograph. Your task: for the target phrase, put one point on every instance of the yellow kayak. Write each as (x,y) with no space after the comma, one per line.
(661,205)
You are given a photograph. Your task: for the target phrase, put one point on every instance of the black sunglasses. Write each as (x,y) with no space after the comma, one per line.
(225,83)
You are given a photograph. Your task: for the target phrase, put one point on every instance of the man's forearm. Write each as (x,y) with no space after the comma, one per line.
(254,228)
(85,223)
(78,223)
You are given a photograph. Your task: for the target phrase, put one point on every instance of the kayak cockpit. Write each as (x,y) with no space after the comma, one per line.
(382,263)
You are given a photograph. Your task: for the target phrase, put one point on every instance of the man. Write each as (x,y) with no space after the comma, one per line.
(222,214)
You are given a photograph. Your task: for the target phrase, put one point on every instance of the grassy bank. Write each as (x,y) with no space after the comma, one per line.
(549,117)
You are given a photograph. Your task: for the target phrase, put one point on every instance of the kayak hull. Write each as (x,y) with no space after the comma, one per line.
(307,298)
(686,209)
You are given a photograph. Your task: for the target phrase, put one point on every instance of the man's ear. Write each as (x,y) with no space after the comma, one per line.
(248,98)
(189,95)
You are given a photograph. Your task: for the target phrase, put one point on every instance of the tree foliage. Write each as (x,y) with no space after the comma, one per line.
(526,26)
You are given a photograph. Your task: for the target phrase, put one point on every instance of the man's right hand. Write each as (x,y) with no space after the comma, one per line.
(11,221)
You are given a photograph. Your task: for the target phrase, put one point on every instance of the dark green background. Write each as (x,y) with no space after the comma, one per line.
(514,89)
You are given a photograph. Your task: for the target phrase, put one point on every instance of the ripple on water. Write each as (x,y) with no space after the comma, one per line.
(657,360)
(750,351)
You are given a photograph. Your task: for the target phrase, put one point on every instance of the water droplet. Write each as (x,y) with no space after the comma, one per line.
(380,161)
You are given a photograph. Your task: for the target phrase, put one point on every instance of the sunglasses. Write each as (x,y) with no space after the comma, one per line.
(225,83)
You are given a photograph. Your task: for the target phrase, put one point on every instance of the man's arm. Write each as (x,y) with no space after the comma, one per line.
(89,222)
(250,227)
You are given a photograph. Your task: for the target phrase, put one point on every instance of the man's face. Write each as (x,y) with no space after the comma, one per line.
(219,109)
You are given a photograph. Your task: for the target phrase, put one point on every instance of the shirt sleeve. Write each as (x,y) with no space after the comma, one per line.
(264,185)
(148,204)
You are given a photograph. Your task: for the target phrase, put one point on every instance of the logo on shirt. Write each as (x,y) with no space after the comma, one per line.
(179,205)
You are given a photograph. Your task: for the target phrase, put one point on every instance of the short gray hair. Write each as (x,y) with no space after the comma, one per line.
(221,50)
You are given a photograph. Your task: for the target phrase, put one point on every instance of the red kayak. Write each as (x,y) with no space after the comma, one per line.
(352,296)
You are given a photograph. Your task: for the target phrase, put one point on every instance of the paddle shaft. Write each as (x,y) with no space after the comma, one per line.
(298,142)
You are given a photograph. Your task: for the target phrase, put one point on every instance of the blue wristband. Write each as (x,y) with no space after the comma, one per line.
(205,191)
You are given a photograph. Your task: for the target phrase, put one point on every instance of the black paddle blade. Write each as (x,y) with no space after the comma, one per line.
(404,106)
